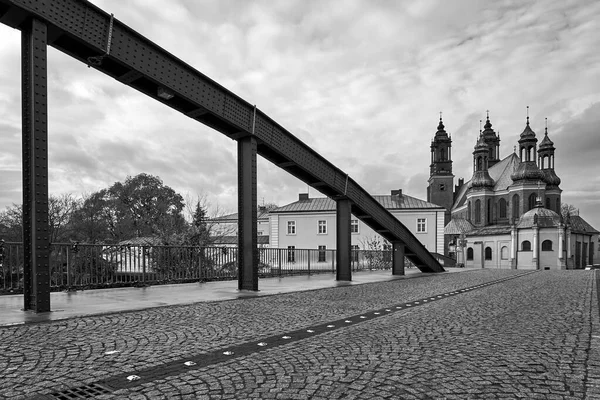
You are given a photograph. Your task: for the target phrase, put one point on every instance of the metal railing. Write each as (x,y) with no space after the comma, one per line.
(92,266)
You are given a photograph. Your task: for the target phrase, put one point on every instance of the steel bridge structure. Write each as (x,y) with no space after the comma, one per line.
(91,35)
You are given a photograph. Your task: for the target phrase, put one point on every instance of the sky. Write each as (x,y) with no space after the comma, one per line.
(360,81)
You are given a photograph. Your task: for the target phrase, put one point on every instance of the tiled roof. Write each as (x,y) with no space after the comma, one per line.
(141,241)
(320,204)
(490,230)
(261,239)
(579,225)
(458,226)
(499,172)
(234,217)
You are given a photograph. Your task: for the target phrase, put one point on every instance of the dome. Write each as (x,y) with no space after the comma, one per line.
(546,143)
(481,145)
(482,179)
(527,132)
(540,216)
(527,170)
(440,129)
(551,178)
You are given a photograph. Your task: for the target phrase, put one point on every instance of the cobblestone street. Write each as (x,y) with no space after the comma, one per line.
(481,334)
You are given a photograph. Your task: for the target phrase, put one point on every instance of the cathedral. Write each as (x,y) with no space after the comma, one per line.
(508,215)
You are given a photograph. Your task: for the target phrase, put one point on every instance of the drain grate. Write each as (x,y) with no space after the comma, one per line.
(82,392)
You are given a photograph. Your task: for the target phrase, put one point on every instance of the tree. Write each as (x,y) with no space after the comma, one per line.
(11,223)
(60,215)
(149,206)
(566,210)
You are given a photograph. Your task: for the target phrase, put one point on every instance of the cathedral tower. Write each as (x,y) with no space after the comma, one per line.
(546,165)
(492,141)
(441,180)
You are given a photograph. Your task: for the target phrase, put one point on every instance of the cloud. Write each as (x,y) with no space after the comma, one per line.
(362,84)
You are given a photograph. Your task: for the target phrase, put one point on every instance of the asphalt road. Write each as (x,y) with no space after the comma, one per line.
(482,334)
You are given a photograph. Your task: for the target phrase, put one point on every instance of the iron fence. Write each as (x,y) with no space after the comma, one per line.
(91,266)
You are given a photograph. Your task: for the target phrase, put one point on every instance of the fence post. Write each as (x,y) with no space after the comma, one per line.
(333,256)
(279,257)
(143,265)
(68,270)
(308,261)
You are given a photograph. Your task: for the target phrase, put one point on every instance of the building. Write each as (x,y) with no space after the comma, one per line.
(509,214)
(309,223)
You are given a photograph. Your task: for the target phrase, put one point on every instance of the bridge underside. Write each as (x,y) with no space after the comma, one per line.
(87,33)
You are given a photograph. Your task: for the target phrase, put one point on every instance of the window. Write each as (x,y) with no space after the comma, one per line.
(260,233)
(442,187)
(548,206)
(322,254)
(469,211)
(291,228)
(502,208)
(354,254)
(470,254)
(532,200)
(354,226)
(547,245)
(526,245)
(488,253)
(515,207)
(504,253)
(489,211)
(421,225)
(322,227)
(291,254)
(477,211)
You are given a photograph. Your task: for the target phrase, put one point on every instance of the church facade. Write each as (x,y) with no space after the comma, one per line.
(508,215)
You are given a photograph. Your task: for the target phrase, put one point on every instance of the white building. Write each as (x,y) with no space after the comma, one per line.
(309,223)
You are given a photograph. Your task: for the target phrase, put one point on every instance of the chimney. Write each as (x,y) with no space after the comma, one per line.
(303,196)
(397,192)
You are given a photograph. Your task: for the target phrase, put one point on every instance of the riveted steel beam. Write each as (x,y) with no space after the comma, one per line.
(397,258)
(36,242)
(343,240)
(247,215)
(86,32)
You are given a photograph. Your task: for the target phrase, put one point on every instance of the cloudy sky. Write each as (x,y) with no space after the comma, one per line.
(362,82)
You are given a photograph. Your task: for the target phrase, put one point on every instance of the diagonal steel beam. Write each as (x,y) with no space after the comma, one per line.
(89,34)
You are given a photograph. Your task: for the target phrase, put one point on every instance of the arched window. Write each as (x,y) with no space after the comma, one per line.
(488,253)
(502,208)
(477,211)
(470,253)
(557,206)
(504,253)
(479,163)
(442,154)
(547,245)
(469,211)
(532,199)
(489,211)
(515,206)
(548,202)
(526,245)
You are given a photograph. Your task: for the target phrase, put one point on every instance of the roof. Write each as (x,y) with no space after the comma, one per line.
(540,216)
(141,241)
(579,225)
(260,214)
(458,226)
(499,172)
(261,239)
(490,230)
(322,204)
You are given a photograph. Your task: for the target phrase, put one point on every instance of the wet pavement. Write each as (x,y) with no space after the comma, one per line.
(100,301)
(482,334)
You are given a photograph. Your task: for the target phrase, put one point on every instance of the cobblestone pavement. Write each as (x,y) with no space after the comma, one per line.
(534,336)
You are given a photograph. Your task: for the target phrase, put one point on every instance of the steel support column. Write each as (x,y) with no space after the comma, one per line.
(36,242)
(247,218)
(343,240)
(397,258)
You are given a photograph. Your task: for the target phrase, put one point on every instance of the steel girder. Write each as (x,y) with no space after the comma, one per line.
(89,34)
(36,241)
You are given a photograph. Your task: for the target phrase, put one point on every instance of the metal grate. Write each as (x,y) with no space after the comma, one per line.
(82,392)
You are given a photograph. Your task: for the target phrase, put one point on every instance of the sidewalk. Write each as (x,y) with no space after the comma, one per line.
(102,301)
